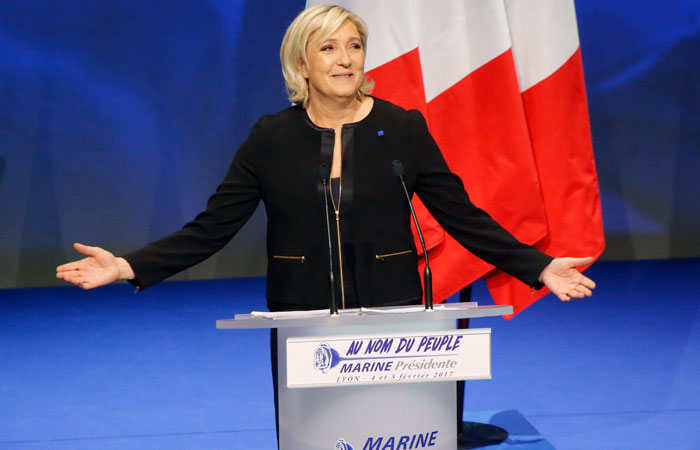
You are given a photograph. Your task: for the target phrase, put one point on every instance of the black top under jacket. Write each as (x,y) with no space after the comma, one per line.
(279,164)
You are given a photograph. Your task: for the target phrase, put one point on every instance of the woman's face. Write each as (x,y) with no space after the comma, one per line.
(336,65)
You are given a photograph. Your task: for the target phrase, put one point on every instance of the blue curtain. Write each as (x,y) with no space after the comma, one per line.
(119,118)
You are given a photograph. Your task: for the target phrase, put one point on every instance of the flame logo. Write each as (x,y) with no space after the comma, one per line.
(325,358)
(342,445)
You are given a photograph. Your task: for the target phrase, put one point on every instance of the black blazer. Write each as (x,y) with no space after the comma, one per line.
(279,164)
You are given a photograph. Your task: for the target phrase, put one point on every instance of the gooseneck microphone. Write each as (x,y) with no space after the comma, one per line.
(324,174)
(399,171)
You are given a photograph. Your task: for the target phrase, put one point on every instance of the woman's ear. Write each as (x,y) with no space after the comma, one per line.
(304,69)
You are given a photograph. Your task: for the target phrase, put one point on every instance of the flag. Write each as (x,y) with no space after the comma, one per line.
(454,60)
(550,72)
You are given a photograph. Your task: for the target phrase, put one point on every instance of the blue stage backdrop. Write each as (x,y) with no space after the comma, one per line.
(119,118)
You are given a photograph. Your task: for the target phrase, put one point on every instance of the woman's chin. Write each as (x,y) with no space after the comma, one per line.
(339,95)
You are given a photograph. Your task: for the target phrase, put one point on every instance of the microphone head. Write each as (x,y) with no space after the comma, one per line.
(324,172)
(398,169)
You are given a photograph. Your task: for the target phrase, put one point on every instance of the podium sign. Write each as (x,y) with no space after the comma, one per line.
(365,413)
(405,357)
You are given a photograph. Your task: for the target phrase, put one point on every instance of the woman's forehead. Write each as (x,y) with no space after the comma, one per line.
(346,27)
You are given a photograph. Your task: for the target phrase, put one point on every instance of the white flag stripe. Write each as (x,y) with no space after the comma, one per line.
(456,37)
(390,25)
(544,35)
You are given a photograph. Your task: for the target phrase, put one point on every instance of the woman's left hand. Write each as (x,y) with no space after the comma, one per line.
(565,281)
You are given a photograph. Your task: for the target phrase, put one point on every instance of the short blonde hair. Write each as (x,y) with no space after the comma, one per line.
(327,19)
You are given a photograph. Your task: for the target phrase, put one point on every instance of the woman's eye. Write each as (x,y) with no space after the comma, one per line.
(326,48)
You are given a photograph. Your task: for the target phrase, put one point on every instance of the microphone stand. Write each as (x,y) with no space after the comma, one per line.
(399,171)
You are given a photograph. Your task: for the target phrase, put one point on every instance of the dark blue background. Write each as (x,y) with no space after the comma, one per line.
(118,119)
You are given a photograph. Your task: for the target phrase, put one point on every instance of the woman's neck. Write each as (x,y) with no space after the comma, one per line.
(336,114)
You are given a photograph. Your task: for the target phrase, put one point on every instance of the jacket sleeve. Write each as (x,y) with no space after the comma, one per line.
(227,210)
(444,195)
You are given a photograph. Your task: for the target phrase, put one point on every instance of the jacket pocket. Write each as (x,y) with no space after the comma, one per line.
(301,259)
(394,276)
(383,256)
(287,276)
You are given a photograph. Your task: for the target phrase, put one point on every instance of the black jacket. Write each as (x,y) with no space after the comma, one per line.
(279,164)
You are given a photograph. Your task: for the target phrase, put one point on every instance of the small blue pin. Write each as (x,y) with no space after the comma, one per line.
(380,133)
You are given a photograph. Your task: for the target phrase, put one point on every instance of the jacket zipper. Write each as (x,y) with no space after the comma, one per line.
(297,258)
(387,255)
(340,247)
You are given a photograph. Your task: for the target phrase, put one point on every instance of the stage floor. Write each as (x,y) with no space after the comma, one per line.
(107,369)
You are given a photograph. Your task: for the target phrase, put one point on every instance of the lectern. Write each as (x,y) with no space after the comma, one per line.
(379,379)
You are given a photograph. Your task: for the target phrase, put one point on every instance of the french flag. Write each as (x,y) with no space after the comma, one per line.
(501,86)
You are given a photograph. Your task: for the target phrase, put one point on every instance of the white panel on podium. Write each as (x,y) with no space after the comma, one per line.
(373,416)
(388,358)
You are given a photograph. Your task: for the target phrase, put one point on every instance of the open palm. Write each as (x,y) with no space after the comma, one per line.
(99,268)
(565,281)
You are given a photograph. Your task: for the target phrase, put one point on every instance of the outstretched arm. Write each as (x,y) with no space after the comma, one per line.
(565,281)
(99,268)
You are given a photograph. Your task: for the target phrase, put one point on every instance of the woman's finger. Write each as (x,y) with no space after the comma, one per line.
(71,277)
(584,290)
(590,284)
(575,294)
(75,265)
(578,262)
(86,249)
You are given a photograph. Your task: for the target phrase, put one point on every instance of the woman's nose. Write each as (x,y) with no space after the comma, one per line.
(343,58)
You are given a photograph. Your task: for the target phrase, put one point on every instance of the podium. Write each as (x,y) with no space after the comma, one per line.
(379,379)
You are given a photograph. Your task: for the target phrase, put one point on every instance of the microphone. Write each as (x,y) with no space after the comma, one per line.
(324,173)
(399,171)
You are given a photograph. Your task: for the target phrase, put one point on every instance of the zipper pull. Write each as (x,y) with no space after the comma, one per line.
(337,216)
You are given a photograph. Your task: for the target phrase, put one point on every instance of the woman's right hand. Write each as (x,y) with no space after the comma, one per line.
(99,268)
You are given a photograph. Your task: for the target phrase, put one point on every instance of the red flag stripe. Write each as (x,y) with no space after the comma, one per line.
(557,116)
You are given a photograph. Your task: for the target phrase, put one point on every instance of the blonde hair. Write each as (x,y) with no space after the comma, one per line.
(327,19)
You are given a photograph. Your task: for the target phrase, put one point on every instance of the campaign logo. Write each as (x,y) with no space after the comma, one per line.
(342,445)
(325,358)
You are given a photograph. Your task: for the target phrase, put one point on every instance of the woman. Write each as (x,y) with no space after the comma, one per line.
(335,123)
